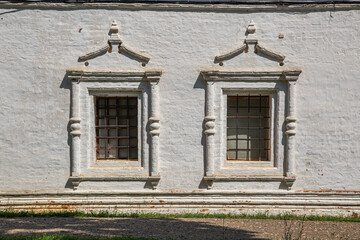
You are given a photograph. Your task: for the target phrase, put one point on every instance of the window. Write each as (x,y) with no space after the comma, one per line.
(116,128)
(248,128)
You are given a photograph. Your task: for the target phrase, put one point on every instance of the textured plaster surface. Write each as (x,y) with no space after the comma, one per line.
(37,46)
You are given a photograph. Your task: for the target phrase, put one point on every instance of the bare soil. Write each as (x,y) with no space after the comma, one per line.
(181,228)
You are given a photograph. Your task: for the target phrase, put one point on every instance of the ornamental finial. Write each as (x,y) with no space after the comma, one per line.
(114,36)
(251,37)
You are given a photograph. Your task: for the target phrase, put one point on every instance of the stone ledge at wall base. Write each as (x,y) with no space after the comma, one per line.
(321,203)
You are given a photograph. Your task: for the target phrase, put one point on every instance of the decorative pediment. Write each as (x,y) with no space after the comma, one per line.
(251,39)
(115,44)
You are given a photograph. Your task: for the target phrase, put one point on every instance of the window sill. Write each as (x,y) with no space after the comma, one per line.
(289,181)
(154,180)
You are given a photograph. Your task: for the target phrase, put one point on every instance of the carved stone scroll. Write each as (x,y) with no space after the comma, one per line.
(251,39)
(270,53)
(231,54)
(114,42)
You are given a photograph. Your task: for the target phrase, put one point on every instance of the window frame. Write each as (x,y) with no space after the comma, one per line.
(84,164)
(282,167)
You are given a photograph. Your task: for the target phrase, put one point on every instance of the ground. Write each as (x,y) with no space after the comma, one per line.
(181,228)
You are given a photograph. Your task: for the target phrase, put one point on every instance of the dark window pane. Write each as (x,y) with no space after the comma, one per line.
(248,128)
(116,128)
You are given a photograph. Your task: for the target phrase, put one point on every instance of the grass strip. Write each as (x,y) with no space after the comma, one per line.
(66,237)
(11,214)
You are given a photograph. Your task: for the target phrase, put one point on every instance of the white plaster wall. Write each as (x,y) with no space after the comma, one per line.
(38,45)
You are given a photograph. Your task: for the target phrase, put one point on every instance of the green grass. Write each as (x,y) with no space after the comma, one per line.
(64,237)
(5,214)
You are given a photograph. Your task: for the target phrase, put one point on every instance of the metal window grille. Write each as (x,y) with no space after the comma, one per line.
(116,128)
(248,128)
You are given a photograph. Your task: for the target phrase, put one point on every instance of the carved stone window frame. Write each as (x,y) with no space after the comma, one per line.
(86,85)
(218,83)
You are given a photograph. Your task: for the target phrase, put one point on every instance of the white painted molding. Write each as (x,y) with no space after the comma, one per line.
(290,130)
(270,53)
(79,76)
(123,76)
(133,53)
(220,75)
(289,181)
(211,77)
(77,180)
(228,201)
(185,7)
(95,53)
(209,131)
(75,129)
(154,127)
(113,43)
(251,39)
(231,54)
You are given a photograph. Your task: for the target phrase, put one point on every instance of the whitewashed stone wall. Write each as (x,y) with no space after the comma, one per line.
(39,44)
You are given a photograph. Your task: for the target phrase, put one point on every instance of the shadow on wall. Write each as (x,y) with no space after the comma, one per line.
(200,84)
(161,228)
(66,84)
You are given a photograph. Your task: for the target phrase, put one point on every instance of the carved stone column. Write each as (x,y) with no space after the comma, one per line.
(209,129)
(154,127)
(75,129)
(290,130)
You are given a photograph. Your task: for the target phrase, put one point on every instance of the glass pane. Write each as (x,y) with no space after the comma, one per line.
(101,113)
(122,101)
(247,127)
(123,142)
(102,132)
(123,153)
(123,132)
(133,142)
(112,132)
(133,152)
(133,132)
(242,155)
(122,121)
(115,121)
(112,121)
(231,155)
(113,153)
(112,112)
(123,112)
(255,122)
(102,153)
(133,101)
(102,121)
(102,142)
(113,143)
(112,101)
